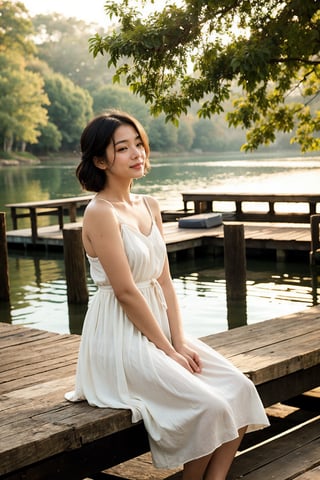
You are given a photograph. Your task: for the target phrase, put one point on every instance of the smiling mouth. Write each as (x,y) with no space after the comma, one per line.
(137,165)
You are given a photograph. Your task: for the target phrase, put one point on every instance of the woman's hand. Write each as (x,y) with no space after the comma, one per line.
(188,358)
(177,357)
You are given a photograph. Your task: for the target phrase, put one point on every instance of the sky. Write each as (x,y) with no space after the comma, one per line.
(90,11)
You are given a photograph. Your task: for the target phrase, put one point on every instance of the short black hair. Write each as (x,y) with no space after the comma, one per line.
(95,138)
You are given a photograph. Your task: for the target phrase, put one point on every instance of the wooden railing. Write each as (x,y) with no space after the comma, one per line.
(206,202)
(33,210)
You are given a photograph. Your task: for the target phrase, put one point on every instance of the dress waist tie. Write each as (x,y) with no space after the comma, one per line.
(148,283)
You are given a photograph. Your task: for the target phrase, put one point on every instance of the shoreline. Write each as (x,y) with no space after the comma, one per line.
(18,161)
(70,157)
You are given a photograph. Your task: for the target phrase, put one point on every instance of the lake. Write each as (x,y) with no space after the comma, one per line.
(37,285)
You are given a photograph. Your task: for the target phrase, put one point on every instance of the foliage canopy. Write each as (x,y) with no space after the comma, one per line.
(15,28)
(37,106)
(63,44)
(264,54)
(22,97)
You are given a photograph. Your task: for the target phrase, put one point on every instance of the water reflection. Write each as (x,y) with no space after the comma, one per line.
(167,179)
(37,281)
(38,294)
(39,297)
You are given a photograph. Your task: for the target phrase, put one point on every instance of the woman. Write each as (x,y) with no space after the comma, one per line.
(195,405)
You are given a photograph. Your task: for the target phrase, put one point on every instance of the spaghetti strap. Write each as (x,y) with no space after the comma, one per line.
(106,201)
(148,207)
(113,207)
(145,201)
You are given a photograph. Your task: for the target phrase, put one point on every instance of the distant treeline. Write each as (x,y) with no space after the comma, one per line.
(50,86)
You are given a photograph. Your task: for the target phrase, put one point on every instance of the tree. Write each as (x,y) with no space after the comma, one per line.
(22,101)
(15,28)
(117,97)
(70,108)
(50,139)
(204,51)
(185,134)
(63,44)
(208,137)
(22,98)
(163,137)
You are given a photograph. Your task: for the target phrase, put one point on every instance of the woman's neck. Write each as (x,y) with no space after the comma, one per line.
(117,190)
(116,195)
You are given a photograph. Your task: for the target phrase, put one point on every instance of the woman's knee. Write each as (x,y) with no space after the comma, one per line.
(215,406)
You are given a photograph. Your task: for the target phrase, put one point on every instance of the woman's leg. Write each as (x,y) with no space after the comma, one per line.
(216,465)
(222,458)
(195,469)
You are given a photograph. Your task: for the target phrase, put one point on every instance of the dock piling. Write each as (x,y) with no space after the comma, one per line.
(235,261)
(75,266)
(4,269)
(236,274)
(315,239)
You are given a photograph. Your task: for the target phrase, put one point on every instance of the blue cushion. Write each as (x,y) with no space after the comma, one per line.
(202,220)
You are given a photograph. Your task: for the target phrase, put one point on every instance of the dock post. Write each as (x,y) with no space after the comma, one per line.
(235,272)
(315,283)
(75,266)
(315,239)
(315,256)
(4,269)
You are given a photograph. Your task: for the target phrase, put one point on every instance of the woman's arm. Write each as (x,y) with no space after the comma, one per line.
(102,238)
(173,312)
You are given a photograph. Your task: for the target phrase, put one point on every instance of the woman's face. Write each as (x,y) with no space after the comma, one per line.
(126,155)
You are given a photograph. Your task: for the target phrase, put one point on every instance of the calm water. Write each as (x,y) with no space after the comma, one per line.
(38,291)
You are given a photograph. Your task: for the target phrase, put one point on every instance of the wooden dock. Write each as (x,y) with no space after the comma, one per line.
(268,230)
(44,437)
(56,207)
(258,235)
(207,201)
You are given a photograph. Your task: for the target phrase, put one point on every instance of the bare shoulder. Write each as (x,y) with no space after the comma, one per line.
(155,209)
(100,212)
(153,204)
(100,227)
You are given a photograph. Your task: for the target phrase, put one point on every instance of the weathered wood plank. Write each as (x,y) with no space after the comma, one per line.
(93,457)
(44,347)
(272,361)
(289,455)
(54,373)
(37,397)
(313,474)
(9,339)
(32,394)
(44,355)
(140,468)
(264,333)
(283,457)
(257,234)
(64,202)
(283,419)
(44,440)
(206,201)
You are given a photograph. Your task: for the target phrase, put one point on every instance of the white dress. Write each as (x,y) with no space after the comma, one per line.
(186,415)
